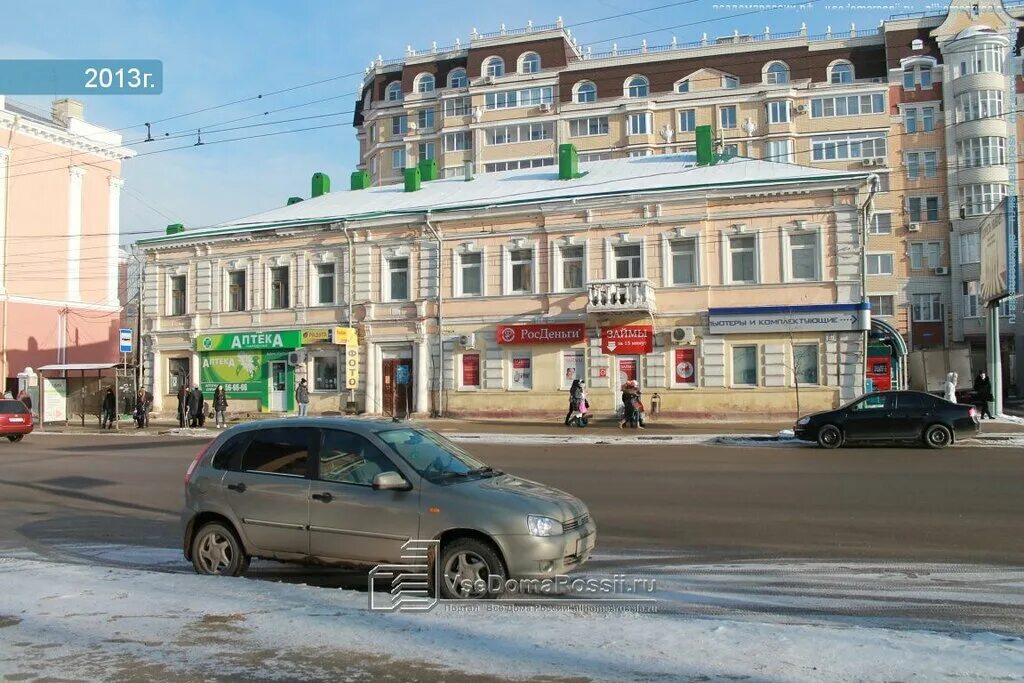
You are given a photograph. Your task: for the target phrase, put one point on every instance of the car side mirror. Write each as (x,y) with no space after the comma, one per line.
(390,481)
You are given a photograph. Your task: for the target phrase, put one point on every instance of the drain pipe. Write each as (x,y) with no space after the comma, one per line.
(438,412)
(865,209)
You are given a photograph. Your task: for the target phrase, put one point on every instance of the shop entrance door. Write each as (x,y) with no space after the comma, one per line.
(396,380)
(278,386)
(628,368)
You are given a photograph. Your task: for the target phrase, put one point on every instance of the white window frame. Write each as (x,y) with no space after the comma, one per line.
(730,82)
(460,141)
(846,146)
(832,71)
(506,274)
(971,304)
(578,88)
(682,85)
(935,298)
(398,159)
(839,106)
(426,119)
(558,264)
(425,83)
(668,270)
(787,262)
(691,124)
(970,247)
(735,117)
(874,227)
(626,240)
(880,254)
(426,150)
(892,305)
(777,111)
(648,123)
(770,154)
(636,86)
(457,254)
(181,271)
(510,357)
(630,260)
(792,379)
(387,256)
(727,258)
(393,92)
(732,366)
(529,58)
(455,107)
(583,127)
(928,257)
(493,66)
(772,73)
(458,78)
(236,267)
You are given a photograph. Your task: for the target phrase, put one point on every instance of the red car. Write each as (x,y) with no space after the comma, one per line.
(15,419)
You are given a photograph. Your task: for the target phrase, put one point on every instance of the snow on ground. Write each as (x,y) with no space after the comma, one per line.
(758,620)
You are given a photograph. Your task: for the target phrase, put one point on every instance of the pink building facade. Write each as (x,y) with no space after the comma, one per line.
(60,194)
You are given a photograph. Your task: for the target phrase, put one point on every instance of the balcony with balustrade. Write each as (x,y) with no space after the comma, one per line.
(622,295)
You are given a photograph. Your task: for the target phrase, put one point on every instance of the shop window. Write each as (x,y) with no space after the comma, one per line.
(803,256)
(236,291)
(573,367)
(178,371)
(521,271)
(882,305)
(470,371)
(742,260)
(325,278)
(572,268)
(279,294)
(805,363)
(684,261)
(471,271)
(178,285)
(629,262)
(398,279)
(520,376)
(325,372)
(744,366)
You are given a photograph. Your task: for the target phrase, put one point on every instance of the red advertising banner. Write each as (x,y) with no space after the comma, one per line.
(470,369)
(685,365)
(568,333)
(628,339)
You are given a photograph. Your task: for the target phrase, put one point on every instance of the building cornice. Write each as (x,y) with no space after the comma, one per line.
(57,136)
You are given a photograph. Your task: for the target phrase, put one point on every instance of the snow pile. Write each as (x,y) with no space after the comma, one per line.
(91,622)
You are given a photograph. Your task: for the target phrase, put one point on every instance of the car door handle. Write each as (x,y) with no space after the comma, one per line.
(323,497)
(240,487)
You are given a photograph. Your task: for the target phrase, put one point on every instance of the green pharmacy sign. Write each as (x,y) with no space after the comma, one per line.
(241,372)
(246,341)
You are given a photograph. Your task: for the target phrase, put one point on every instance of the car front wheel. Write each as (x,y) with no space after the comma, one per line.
(471,570)
(216,551)
(829,436)
(938,436)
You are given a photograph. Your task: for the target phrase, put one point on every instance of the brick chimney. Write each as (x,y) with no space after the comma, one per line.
(66,109)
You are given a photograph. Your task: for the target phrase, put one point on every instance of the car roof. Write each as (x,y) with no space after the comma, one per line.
(358,425)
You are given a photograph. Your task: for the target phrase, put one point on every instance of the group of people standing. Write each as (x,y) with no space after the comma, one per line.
(192,407)
(982,392)
(632,409)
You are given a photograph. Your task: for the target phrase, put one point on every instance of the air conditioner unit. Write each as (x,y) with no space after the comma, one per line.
(914,227)
(488,80)
(545,106)
(297,358)
(683,335)
(881,161)
(868,162)
(801,109)
(467,341)
(941,270)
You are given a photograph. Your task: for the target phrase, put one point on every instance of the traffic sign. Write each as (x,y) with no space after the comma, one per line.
(125,340)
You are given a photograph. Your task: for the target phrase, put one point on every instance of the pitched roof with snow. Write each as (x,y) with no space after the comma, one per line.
(661,173)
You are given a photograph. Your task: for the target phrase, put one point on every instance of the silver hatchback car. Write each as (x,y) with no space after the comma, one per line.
(352,492)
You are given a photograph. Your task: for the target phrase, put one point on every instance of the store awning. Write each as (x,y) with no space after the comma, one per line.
(886,331)
(75,367)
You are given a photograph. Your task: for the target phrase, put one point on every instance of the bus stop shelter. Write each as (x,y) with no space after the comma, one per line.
(121,375)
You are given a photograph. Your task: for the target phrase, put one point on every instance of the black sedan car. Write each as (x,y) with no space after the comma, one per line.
(891,416)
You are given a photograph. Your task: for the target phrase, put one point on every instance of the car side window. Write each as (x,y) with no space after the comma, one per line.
(911,402)
(283,450)
(876,402)
(229,455)
(347,458)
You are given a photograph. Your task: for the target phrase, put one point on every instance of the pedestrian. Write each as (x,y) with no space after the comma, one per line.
(182,403)
(949,387)
(25,398)
(638,404)
(195,406)
(983,394)
(575,394)
(142,403)
(220,406)
(580,416)
(109,409)
(629,415)
(302,397)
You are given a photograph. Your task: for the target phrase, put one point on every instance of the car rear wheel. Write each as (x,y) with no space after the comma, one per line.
(469,569)
(830,436)
(938,436)
(216,551)
(15,438)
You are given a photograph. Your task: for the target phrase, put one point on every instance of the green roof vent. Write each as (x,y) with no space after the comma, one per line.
(294,200)
(412,179)
(321,184)
(568,162)
(428,169)
(705,146)
(175,228)
(360,180)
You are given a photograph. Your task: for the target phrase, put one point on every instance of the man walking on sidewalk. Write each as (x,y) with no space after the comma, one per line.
(302,398)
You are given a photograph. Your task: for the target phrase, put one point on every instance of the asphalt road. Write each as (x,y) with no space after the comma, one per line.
(697,502)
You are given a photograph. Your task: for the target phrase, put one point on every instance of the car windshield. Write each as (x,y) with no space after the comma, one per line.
(10,407)
(434,457)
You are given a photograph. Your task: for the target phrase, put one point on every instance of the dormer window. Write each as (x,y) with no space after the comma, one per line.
(494,67)
(393,93)
(457,78)
(777,72)
(730,82)
(637,86)
(840,72)
(424,83)
(529,63)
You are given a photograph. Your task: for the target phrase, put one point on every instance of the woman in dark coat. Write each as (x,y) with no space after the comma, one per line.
(575,394)
(195,406)
(983,394)
(220,406)
(109,409)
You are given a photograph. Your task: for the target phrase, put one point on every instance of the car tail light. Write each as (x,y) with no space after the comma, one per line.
(195,462)
(973,412)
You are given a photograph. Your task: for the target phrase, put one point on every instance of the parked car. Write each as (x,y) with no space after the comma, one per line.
(891,416)
(341,491)
(15,419)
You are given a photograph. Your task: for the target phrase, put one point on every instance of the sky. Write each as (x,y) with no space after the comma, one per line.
(214,53)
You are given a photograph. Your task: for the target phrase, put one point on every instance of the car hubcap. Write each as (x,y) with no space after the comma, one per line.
(467,574)
(215,553)
(938,437)
(830,436)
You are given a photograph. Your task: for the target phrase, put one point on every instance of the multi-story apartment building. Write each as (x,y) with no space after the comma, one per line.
(728,288)
(60,194)
(925,101)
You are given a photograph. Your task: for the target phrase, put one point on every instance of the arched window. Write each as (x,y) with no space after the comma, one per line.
(840,72)
(393,92)
(586,91)
(425,83)
(529,63)
(494,66)
(457,78)
(777,72)
(637,86)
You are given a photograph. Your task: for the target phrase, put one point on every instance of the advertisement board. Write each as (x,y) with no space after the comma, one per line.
(1000,252)
(349,337)
(55,400)
(627,339)
(565,333)
(685,365)
(801,318)
(247,341)
(243,373)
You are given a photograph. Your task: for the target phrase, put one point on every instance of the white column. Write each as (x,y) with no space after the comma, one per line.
(75,233)
(113,238)
(5,155)
(422,376)
(372,400)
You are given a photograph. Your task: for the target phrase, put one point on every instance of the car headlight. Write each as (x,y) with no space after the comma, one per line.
(543,526)
(802,421)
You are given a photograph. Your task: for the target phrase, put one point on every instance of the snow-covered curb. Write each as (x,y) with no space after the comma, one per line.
(100,623)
